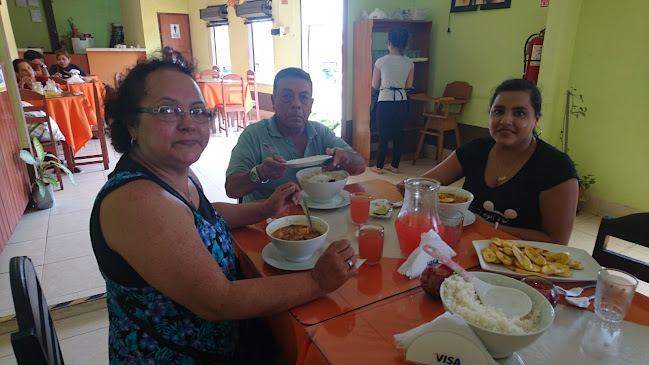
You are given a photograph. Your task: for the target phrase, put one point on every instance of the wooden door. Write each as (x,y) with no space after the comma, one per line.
(14,181)
(174,32)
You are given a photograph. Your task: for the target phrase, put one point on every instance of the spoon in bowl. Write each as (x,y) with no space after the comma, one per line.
(513,302)
(305,208)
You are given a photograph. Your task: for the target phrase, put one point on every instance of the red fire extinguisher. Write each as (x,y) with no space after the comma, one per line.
(532,56)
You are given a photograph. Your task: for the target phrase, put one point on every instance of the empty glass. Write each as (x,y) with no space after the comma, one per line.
(613,294)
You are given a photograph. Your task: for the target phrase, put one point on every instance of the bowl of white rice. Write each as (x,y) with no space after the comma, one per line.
(321,186)
(499,334)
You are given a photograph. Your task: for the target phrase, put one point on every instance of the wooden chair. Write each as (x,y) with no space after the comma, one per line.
(252,86)
(231,86)
(213,73)
(632,228)
(36,342)
(442,119)
(98,131)
(62,82)
(39,103)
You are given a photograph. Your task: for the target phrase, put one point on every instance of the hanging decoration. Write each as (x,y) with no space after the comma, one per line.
(233,2)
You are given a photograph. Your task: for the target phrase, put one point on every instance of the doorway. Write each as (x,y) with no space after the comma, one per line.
(175,33)
(322,29)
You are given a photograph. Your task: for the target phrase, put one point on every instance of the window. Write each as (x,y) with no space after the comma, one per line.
(261,51)
(221,48)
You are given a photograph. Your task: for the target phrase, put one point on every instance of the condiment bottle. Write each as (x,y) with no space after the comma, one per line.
(418,214)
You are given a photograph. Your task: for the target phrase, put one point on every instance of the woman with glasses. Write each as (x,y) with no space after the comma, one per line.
(174,291)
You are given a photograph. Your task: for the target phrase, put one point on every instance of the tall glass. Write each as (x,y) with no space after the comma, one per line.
(453,222)
(359,207)
(418,214)
(613,294)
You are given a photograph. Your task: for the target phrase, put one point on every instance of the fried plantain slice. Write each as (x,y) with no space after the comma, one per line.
(507,251)
(560,257)
(506,260)
(548,270)
(521,271)
(523,260)
(493,247)
(489,255)
(536,257)
(566,274)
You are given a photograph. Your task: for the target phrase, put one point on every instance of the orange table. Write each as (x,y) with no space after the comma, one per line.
(214,95)
(87,91)
(367,333)
(74,115)
(372,283)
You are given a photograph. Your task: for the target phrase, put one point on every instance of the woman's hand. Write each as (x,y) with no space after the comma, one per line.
(58,74)
(25,80)
(333,268)
(285,196)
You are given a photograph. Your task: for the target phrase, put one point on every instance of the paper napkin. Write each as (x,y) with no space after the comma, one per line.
(446,322)
(418,259)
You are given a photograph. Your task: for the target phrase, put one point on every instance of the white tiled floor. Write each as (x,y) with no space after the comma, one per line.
(58,242)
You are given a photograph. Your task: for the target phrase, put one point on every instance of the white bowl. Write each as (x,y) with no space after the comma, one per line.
(499,344)
(461,207)
(321,192)
(297,251)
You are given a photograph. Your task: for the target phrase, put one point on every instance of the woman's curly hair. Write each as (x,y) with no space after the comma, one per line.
(121,105)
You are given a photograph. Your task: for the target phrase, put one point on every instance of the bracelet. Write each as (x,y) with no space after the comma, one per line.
(496,225)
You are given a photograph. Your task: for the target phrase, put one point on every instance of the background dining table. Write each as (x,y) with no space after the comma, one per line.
(74,116)
(372,284)
(213,94)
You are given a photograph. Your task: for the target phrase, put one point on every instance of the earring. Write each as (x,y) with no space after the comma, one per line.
(133,141)
(539,132)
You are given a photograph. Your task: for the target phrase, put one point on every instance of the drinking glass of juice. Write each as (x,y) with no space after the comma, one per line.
(359,205)
(370,242)
(453,221)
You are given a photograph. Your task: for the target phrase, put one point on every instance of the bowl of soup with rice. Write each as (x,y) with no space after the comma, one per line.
(295,240)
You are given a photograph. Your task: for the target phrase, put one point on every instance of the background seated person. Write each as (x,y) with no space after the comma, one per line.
(254,173)
(25,74)
(522,185)
(63,65)
(37,60)
(174,287)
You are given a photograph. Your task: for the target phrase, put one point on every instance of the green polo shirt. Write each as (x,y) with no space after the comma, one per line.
(250,151)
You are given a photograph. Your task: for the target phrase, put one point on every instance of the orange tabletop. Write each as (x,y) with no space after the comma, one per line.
(366,335)
(87,91)
(372,283)
(74,115)
(213,95)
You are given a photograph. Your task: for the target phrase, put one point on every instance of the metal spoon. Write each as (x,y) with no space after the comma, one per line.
(574,291)
(305,208)
(581,302)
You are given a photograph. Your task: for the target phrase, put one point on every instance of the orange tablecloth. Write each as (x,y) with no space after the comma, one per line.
(86,89)
(214,95)
(372,283)
(74,115)
(367,333)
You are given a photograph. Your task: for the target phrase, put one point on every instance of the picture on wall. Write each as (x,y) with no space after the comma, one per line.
(495,4)
(458,6)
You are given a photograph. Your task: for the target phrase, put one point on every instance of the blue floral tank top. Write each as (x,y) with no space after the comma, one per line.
(127,290)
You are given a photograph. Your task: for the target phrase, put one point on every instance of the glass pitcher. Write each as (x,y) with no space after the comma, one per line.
(418,214)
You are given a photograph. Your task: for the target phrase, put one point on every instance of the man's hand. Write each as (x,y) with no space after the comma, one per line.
(58,74)
(272,167)
(344,159)
(285,196)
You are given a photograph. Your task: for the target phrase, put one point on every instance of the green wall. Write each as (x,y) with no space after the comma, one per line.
(610,70)
(90,16)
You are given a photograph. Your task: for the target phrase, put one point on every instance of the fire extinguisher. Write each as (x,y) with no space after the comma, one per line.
(532,56)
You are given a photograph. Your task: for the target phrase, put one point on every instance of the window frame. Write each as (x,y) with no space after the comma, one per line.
(262,77)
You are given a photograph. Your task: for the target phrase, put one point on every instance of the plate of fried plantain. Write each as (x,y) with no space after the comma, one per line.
(524,258)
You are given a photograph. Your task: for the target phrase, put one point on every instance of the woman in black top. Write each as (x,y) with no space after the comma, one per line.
(522,185)
(63,65)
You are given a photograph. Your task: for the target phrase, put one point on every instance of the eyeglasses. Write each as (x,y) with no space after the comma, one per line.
(175,114)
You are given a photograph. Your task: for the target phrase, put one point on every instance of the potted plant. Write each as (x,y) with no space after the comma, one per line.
(585,181)
(42,189)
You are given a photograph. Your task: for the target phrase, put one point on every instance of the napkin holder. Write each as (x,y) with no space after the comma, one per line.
(445,347)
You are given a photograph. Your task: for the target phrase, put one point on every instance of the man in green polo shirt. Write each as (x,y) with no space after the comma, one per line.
(254,173)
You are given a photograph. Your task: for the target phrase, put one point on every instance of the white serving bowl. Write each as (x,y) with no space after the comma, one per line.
(461,207)
(321,192)
(499,344)
(297,251)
